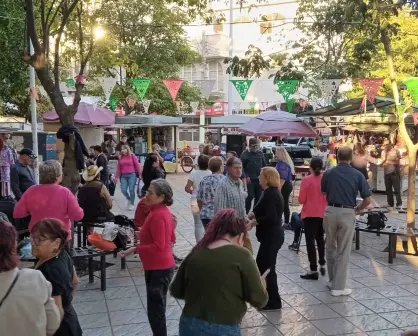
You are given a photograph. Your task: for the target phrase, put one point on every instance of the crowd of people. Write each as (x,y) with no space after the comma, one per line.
(230,197)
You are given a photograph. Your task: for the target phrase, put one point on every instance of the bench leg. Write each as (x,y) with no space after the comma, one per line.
(357,239)
(91,271)
(123,263)
(392,248)
(79,236)
(84,235)
(103,272)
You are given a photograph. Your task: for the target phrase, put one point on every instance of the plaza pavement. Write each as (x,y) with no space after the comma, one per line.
(384,299)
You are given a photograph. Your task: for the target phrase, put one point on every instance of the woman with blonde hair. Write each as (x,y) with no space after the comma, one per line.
(267,218)
(128,171)
(286,170)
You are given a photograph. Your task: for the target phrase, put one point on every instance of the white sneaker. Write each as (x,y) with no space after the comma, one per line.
(130,207)
(346,291)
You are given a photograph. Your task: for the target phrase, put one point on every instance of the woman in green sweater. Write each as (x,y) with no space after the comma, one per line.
(217,279)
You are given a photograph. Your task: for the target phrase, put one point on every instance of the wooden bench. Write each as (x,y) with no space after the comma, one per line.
(393,231)
(88,252)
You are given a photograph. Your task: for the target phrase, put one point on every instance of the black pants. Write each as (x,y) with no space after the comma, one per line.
(393,182)
(254,193)
(286,191)
(266,259)
(314,231)
(157,282)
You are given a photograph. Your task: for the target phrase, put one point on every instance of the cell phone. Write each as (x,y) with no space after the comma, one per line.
(266,273)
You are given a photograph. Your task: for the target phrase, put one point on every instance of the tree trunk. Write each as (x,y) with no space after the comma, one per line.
(410,215)
(412,149)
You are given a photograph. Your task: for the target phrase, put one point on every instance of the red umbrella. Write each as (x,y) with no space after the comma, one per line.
(277,123)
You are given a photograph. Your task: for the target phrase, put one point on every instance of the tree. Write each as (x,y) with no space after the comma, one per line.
(154,46)
(345,38)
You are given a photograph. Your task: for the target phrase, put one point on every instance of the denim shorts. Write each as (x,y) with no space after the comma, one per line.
(195,327)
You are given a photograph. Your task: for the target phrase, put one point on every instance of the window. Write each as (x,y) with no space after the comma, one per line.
(216,73)
(266,27)
(189,73)
(189,134)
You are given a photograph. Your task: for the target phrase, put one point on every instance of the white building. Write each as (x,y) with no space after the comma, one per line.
(268,26)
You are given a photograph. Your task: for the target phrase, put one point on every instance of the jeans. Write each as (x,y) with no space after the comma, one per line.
(199,231)
(314,231)
(296,223)
(286,191)
(266,259)
(393,181)
(157,282)
(254,193)
(127,185)
(195,327)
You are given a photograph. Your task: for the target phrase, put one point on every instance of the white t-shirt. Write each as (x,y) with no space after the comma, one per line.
(196,176)
(29,309)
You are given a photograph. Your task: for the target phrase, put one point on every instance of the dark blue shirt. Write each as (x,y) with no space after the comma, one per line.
(284,170)
(342,185)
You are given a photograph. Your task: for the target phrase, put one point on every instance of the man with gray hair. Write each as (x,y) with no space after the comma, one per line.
(230,192)
(341,185)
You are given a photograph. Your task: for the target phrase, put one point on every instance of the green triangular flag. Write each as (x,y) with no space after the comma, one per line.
(290,102)
(252,105)
(287,87)
(70,82)
(242,86)
(412,85)
(113,102)
(141,85)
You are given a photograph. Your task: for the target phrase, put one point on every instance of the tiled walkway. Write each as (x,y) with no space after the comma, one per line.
(384,299)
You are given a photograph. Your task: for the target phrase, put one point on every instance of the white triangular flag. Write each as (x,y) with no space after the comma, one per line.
(107,83)
(206,85)
(328,88)
(194,106)
(146,104)
(42,91)
(64,89)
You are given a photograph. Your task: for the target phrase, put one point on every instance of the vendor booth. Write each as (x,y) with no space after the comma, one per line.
(145,130)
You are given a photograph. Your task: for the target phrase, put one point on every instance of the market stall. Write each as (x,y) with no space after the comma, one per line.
(145,130)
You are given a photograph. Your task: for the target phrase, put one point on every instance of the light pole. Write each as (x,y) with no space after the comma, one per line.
(231,52)
(33,113)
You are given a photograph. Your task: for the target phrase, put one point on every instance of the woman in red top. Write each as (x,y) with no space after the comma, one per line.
(313,208)
(155,250)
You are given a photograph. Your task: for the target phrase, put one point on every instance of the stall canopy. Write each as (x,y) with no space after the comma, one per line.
(349,107)
(277,123)
(87,114)
(148,120)
(231,121)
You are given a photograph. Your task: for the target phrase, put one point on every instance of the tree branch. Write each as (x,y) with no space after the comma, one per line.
(30,18)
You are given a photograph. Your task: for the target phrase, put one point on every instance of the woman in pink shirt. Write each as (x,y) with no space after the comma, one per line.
(128,171)
(313,208)
(48,199)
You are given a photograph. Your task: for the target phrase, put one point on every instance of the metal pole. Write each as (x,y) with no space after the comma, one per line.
(33,113)
(231,54)
(203,110)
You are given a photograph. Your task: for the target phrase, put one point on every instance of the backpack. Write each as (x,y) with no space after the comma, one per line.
(376,221)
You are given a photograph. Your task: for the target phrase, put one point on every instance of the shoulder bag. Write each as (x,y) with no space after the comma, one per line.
(10,288)
(133,156)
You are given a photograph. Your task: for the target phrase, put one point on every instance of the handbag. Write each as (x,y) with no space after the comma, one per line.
(376,220)
(133,160)
(10,288)
(123,220)
(121,240)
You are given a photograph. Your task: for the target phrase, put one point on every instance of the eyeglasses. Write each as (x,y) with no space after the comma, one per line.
(38,240)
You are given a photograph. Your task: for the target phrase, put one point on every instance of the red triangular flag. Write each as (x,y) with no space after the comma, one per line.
(34,93)
(371,86)
(173,86)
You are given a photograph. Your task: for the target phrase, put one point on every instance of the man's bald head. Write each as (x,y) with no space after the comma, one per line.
(345,154)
